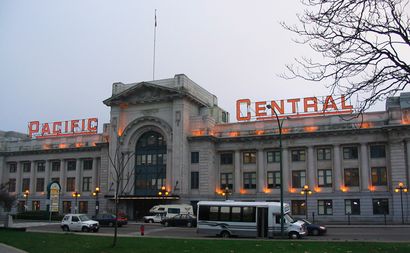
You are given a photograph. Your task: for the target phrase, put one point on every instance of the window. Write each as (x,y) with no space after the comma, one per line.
(40,185)
(377,151)
(71,165)
(273,179)
(298,207)
(324,154)
(226,158)
(379,176)
(226,213)
(351,177)
(350,153)
(273,156)
(194,157)
(249,157)
(26,166)
(325,207)
(70,184)
(66,206)
(248,214)
(86,184)
(83,206)
(194,180)
(298,155)
(352,206)
(249,180)
(380,206)
(55,179)
(12,185)
(298,178)
(35,205)
(324,178)
(226,181)
(55,166)
(25,185)
(12,167)
(41,166)
(88,164)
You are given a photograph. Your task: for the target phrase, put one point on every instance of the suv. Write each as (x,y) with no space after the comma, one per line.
(154,218)
(79,222)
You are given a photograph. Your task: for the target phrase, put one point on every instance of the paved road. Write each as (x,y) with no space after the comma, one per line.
(338,233)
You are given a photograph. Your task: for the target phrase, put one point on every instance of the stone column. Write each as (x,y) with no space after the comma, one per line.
(63,180)
(32,178)
(46,174)
(338,174)
(78,179)
(95,182)
(19,179)
(311,170)
(364,164)
(261,171)
(286,170)
(237,176)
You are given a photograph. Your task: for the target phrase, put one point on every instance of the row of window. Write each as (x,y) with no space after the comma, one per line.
(352,206)
(70,184)
(324,178)
(35,206)
(55,165)
(151,159)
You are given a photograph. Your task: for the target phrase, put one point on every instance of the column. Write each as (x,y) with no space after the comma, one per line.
(63,180)
(237,168)
(19,180)
(78,173)
(95,182)
(285,170)
(3,168)
(311,182)
(364,166)
(261,171)
(47,174)
(32,178)
(338,175)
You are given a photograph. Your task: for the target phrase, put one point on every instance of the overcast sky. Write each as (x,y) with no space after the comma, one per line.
(58,59)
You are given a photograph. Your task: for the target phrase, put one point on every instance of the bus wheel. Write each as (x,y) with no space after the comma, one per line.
(225,234)
(293,235)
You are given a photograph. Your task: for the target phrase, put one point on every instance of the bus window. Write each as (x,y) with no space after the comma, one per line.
(224,213)
(213,213)
(236,214)
(248,214)
(204,213)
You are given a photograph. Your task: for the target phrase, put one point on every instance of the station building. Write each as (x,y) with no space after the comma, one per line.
(171,133)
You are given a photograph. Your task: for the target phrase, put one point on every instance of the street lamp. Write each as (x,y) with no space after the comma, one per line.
(226,192)
(97,203)
(282,230)
(26,194)
(306,191)
(401,188)
(163,192)
(76,195)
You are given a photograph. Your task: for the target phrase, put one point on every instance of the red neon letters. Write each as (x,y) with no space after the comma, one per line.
(62,128)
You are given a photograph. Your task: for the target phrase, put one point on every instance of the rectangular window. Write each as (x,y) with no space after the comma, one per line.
(324,154)
(298,178)
(248,214)
(25,185)
(351,177)
(377,151)
(214,213)
(35,206)
(12,185)
(194,157)
(325,207)
(41,167)
(88,164)
(324,178)
(226,158)
(83,206)
(298,155)
(86,184)
(227,181)
(273,156)
(249,157)
(350,153)
(379,176)
(55,179)
(40,185)
(70,187)
(194,180)
(26,166)
(380,206)
(66,206)
(12,167)
(298,207)
(249,180)
(224,213)
(71,165)
(352,206)
(55,166)
(273,179)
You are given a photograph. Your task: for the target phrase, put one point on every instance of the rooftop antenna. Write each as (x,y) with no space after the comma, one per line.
(155,38)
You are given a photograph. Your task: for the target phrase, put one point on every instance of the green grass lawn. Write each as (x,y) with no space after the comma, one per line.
(61,243)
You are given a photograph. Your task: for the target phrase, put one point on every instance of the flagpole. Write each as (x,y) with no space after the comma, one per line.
(155,39)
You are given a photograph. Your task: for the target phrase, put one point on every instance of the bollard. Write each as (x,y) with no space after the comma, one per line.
(348,218)
(142,229)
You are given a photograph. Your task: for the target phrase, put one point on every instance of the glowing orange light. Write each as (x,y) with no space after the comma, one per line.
(396,190)
(401,184)
(311,128)
(93,144)
(318,189)
(259,132)
(266,190)
(197,133)
(344,188)
(46,146)
(405,121)
(366,125)
(292,190)
(242,191)
(285,130)
(79,145)
(62,145)
(405,189)
(233,134)
(372,188)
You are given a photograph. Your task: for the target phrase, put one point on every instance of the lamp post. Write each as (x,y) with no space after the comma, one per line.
(401,188)
(75,196)
(163,192)
(280,169)
(306,191)
(26,194)
(226,192)
(97,203)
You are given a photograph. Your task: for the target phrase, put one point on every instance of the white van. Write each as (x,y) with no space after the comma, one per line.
(170,211)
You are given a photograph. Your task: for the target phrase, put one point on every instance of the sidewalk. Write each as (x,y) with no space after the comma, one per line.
(9,249)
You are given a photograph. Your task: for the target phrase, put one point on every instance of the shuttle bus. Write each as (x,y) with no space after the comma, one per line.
(250,219)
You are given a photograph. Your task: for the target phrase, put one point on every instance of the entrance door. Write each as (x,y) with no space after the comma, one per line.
(262,222)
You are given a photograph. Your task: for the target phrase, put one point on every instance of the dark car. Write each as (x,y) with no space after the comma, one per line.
(107,219)
(180,220)
(314,229)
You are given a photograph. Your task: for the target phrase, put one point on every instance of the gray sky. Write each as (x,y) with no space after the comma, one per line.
(58,59)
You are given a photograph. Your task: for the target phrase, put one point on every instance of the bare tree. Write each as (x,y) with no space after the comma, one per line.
(364,47)
(6,200)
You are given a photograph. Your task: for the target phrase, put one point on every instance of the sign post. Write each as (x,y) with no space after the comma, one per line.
(54,189)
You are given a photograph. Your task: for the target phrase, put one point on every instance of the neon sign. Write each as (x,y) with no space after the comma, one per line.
(295,107)
(37,130)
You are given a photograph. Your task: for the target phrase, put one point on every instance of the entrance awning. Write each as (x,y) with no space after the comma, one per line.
(133,197)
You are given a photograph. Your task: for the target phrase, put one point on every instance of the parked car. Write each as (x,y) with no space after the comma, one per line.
(154,218)
(314,229)
(180,220)
(107,219)
(79,222)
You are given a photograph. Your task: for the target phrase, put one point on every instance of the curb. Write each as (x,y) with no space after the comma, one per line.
(11,248)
